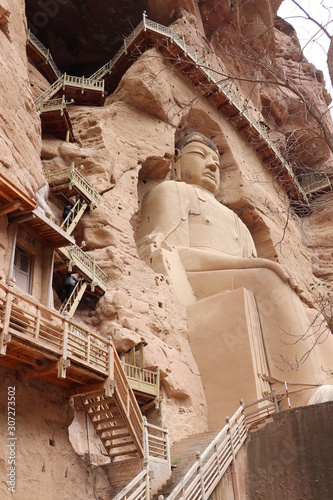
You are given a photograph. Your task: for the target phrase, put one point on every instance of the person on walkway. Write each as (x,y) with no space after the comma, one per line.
(69,283)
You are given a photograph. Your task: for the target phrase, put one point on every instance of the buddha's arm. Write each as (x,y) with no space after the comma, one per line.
(196,259)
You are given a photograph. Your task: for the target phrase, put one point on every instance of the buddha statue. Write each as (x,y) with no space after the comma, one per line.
(246,308)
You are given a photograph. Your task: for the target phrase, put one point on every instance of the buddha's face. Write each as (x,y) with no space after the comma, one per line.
(199,165)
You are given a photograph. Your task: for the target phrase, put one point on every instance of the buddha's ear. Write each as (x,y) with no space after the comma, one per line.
(175,166)
(177,155)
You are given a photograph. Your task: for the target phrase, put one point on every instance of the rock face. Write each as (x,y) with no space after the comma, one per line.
(125,148)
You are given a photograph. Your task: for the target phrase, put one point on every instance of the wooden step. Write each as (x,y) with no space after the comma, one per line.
(117,445)
(121,435)
(122,453)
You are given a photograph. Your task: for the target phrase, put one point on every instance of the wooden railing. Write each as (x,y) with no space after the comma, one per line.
(128,402)
(45,329)
(49,92)
(72,176)
(142,379)
(156,445)
(157,442)
(51,105)
(44,51)
(86,264)
(315,181)
(70,305)
(74,216)
(84,83)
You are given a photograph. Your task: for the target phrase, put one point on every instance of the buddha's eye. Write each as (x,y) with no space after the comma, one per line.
(200,153)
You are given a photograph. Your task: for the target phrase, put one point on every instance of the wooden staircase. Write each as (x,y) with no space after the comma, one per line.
(69,305)
(68,183)
(74,216)
(183,454)
(110,426)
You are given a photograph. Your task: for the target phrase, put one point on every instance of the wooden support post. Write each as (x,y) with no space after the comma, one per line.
(145,442)
(141,356)
(63,362)
(37,323)
(277,409)
(88,349)
(167,446)
(12,257)
(5,337)
(232,465)
(157,398)
(110,382)
(199,470)
(67,135)
(49,291)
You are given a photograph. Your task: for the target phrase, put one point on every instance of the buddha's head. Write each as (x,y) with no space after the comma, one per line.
(197,162)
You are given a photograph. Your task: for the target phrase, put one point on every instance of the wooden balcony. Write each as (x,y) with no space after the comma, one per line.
(68,182)
(55,119)
(145,384)
(38,342)
(315,183)
(37,224)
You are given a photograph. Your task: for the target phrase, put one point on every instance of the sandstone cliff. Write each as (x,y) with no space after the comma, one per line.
(125,148)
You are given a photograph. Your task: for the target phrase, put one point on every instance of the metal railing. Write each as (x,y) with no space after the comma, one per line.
(137,489)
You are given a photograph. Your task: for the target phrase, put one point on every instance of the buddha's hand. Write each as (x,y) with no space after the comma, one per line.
(283,274)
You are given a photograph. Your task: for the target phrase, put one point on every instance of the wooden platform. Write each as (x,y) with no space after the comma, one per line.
(12,200)
(57,122)
(38,342)
(42,228)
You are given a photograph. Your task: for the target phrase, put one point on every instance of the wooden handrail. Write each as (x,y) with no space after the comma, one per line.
(80,258)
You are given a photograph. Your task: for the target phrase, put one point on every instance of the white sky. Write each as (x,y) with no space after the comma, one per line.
(315,43)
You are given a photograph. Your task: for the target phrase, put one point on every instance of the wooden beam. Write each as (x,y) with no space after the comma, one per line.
(38,372)
(10,207)
(85,389)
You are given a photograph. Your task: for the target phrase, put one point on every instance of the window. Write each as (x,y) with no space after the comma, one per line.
(22,269)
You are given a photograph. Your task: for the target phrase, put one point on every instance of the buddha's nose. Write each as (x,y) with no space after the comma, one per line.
(211,165)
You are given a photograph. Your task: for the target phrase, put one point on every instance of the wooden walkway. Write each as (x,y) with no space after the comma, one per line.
(148,34)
